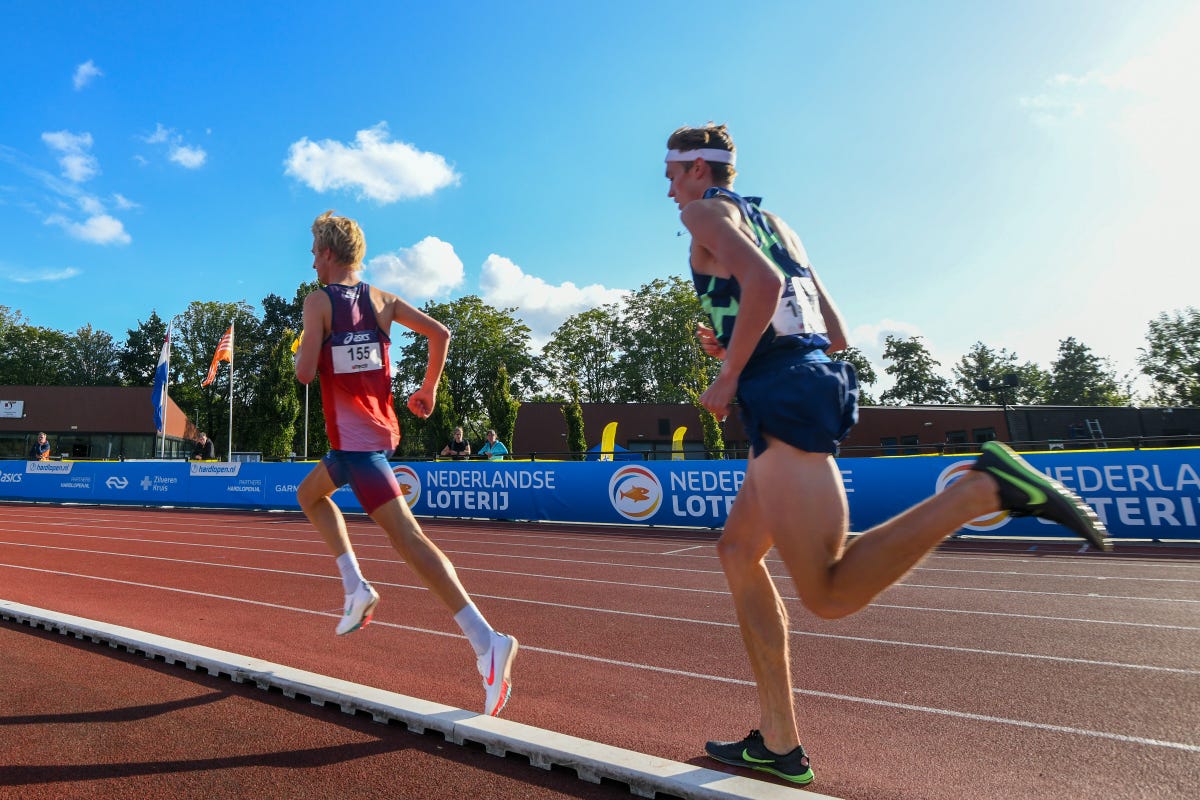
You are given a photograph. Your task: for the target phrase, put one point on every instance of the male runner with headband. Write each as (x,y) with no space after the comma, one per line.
(346,339)
(772,323)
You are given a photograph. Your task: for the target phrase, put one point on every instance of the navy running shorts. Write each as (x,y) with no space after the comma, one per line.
(803,398)
(368,473)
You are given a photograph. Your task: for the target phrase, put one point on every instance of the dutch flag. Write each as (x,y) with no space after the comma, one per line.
(159,394)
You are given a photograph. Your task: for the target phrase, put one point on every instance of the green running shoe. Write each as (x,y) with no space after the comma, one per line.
(753,754)
(1026,492)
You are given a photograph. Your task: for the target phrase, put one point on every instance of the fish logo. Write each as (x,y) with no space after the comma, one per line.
(410,484)
(638,494)
(635,493)
(988,522)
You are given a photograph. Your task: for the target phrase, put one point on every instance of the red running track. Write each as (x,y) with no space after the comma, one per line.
(993,670)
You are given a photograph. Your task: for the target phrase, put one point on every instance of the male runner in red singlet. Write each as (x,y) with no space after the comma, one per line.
(772,323)
(346,340)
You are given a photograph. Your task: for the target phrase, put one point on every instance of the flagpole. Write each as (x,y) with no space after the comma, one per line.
(163,446)
(306,422)
(232,339)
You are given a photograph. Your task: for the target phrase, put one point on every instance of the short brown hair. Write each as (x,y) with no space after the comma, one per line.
(710,136)
(341,235)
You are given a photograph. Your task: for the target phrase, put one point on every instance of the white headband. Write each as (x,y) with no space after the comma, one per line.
(707,153)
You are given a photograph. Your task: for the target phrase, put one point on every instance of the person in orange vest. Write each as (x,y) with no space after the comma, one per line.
(40,450)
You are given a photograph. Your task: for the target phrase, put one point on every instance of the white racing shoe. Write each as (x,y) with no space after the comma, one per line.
(495,666)
(359,608)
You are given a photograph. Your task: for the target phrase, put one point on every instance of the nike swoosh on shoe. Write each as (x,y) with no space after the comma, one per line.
(1036,496)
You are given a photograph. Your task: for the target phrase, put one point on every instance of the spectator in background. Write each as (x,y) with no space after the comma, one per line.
(40,450)
(493,449)
(458,448)
(204,450)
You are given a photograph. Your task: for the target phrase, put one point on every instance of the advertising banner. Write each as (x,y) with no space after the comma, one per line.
(1143,494)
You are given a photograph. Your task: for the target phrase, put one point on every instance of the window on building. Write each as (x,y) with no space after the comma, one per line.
(910,440)
(981,435)
(888,446)
(956,437)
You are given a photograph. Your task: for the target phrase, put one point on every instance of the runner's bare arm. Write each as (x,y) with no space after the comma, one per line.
(726,251)
(316,328)
(422,401)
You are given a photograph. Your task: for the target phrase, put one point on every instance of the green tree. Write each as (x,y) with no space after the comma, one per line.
(138,357)
(280,315)
(985,376)
(317,439)
(572,412)
(198,332)
(502,407)
(714,436)
(91,358)
(423,438)
(659,353)
(916,382)
(585,348)
(863,369)
(275,405)
(483,339)
(1079,377)
(33,356)
(1171,358)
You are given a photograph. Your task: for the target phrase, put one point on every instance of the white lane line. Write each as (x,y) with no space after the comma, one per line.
(601,581)
(681,673)
(716,623)
(372,533)
(618,565)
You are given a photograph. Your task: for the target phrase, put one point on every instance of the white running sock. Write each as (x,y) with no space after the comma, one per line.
(478,632)
(352,576)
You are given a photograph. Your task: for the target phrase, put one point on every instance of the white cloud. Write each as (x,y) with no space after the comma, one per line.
(542,306)
(77,163)
(123,202)
(159,136)
(428,269)
(372,165)
(98,228)
(84,74)
(187,156)
(38,277)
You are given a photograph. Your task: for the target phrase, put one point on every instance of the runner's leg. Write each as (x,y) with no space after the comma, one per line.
(808,518)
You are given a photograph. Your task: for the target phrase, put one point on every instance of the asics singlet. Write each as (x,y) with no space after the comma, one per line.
(356,375)
(797,323)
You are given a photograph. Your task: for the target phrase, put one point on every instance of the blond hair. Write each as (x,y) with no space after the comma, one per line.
(342,236)
(711,136)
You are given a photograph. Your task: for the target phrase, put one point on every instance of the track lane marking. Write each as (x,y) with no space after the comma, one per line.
(1028,724)
(713,623)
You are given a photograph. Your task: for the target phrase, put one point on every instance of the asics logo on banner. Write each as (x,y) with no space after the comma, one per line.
(635,493)
(116,482)
(410,484)
(10,477)
(988,522)
(360,336)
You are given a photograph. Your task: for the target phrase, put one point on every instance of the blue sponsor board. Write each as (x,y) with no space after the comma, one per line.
(1146,494)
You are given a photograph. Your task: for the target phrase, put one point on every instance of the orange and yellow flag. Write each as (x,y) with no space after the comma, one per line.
(224,353)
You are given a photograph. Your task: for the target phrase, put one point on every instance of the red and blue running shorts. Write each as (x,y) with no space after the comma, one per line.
(368,473)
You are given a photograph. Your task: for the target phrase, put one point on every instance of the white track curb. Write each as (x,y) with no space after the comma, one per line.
(592,761)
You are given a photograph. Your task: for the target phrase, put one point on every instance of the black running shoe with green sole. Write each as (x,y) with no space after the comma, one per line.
(1026,492)
(753,754)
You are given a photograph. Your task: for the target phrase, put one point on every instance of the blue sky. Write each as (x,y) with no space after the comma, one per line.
(1012,173)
